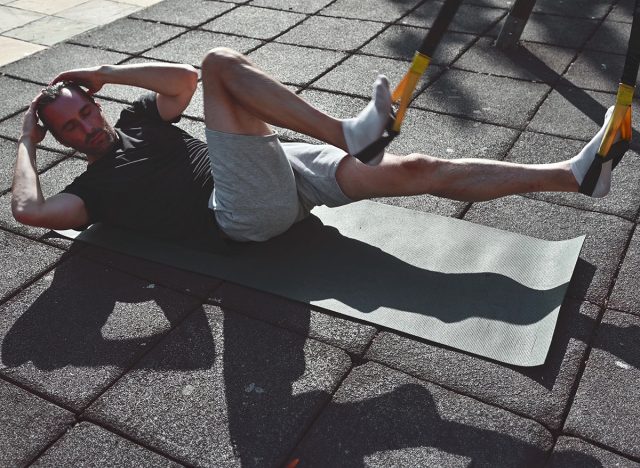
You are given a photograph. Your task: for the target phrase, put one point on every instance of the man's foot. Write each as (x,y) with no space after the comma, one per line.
(581,163)
(370,124)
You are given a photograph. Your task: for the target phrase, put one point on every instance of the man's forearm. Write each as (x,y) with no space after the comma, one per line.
(164,78)
(26,192)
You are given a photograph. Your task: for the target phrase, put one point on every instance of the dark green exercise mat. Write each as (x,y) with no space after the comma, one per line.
(471,287)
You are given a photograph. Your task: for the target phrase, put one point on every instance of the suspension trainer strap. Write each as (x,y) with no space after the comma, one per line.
(404,91)
(620,121)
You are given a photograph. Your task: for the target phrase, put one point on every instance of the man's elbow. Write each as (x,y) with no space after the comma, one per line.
(25,216)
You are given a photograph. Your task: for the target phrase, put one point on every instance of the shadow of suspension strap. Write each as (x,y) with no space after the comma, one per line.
(620,121)
(404,91)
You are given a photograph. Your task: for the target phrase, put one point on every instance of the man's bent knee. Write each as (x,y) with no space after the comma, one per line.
(219,59)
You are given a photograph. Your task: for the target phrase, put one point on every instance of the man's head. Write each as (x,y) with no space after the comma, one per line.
(75,119)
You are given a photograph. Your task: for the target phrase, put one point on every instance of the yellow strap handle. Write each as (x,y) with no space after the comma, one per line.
(407,85)
(620,120)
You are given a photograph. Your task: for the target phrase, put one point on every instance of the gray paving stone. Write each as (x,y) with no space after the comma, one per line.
(8,153)
(611,36)
(195,128)
(427,204)
(605,408)
(77,329)
(570,452)
(554,30)
(625,295)
(529,60)
(260,23)
(46,65)
(596,70)
(27,425)
(292,64)
(357,74)
(300,318)
(332,33)
(15,95)
(379,10)
(624,198)
(541,393)
(157,273)
(622,11)
(128,36)
(450,137)
(492,99)
(24,260)
(90,445)
(468,19)
(504,4)
(580,8)
(598,260)
(185,12)
(308,6)
(51,182)
(251,391)
(576,113)
(381,417)
(401,42)
(192,47)
(12,128)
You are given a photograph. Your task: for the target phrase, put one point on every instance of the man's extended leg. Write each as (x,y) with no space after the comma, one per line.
(240,98)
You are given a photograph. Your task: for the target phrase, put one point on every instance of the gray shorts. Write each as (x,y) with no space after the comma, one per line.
(262,187)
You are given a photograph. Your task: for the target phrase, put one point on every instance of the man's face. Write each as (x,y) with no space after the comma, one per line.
(78,122)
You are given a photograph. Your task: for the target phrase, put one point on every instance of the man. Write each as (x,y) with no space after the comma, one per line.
(148,175)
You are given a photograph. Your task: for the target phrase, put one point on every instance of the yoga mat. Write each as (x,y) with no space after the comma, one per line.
(482,290)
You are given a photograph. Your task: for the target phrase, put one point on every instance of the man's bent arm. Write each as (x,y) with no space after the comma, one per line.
(174,83)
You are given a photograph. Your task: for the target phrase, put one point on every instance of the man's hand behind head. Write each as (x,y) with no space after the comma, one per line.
(31,129)
(89,78)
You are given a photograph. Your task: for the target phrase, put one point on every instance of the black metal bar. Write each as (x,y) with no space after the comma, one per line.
(514,24)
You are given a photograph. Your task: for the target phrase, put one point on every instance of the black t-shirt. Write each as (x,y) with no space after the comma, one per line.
(157,180)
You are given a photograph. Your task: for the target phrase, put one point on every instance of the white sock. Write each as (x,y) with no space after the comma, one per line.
(369,125)
(582,161)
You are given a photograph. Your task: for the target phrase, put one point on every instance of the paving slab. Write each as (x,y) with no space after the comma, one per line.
(192,46)
(504,4)
(183,281)
(570,452)
(624,198)
(605,408)
(381,417)
(98,11)
(625,295)
(600,71)
(24,260)
(611,36)
(49,30)
(11,18)
(332,33)
(295,316)
(188,13)
(541,393)
(90,445)
(8,153)
(195,128)
(12,128)
(528,60)
(622,11)
(579,8)
(554,30)
(44,66)
(492,99)
(71,342)
(128,36)
(14,49)
(308,6)
(259,23)
(598,260)
(379,10)
(450,137)
(251,392)
(357,74)
(576,113)
(16,95)
(27,425)
(401,42)
(292,64)
(471,19)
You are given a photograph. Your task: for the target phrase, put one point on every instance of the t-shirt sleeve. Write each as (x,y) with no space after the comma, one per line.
(89,197)
(142,110)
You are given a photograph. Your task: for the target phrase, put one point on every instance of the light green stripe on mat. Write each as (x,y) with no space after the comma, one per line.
(471,287)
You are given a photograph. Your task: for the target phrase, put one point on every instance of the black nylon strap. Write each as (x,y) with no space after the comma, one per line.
(632,62)
(439,27)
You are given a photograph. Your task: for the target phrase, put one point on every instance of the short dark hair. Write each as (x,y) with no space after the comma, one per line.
(53,92)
